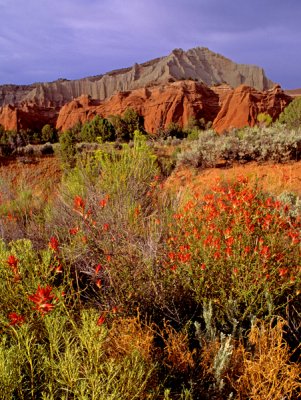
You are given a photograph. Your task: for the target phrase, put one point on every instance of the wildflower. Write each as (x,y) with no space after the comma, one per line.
(54,244)
(42,298)
(283,271)
(103,203)
(16,319)
(98,283)
(101,320)
(13,263)
(78,203)
(97,268)
(203,267)
(106,227)
(73,231)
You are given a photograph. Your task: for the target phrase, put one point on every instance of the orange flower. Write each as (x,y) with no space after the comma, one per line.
(106,227)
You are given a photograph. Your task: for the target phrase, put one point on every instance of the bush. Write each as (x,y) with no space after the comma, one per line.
(67,150)
(291,115)
(239,249)
(276,144)
(97,128)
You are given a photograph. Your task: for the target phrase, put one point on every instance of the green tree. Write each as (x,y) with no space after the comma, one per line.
(68,148)
(134,122)
(120,126)
(48,134)
(291,115)
(97,127)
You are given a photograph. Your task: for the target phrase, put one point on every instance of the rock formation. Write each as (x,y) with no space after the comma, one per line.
(199,64)
(159,105)
(27,116)
(242,105)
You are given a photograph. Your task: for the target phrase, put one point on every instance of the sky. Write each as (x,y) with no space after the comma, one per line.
(44,40)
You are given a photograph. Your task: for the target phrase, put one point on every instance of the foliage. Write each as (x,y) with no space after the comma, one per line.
(131,293)
(134,122)
(67,149)
(264,119)
(291,115)
(97,128)
(48,134)
(238,249)
(249,144)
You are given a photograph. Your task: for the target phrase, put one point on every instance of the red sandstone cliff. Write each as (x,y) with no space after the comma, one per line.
(242,105)
(159,105)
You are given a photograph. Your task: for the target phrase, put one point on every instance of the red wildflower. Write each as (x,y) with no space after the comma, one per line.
(106,227)
(54,244)
(101,320)
(283,271)
(42,298)
(16,319)
(103,203)
(97,268)
(98,283)
(73,231)
(13,263)
(78,203)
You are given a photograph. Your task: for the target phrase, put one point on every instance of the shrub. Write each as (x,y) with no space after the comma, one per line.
(67,149)
(276,144)
(291,115)
(239,249)
(264,119)
(97,128)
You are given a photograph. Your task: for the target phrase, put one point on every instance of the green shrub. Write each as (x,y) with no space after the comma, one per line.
(97,128)
(291,115)
(67,150)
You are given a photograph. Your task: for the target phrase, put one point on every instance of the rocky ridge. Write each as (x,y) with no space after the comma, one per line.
(198,63)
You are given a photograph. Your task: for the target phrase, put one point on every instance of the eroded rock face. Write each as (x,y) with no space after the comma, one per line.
(27,116)
(242,105)
(199,64)
(159,105)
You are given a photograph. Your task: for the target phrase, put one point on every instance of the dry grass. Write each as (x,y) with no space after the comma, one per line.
(268,373)
(127,335)
(177,355)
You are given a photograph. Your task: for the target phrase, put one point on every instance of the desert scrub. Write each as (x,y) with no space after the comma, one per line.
(53,344)
(109,219)
(276,144)
(238,248)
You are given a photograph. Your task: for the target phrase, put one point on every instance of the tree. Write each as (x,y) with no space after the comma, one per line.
(68,148)
(97,127)
(291,115)
(48,134)
(133,121)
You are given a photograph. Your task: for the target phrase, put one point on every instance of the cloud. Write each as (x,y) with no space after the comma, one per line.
(44,40)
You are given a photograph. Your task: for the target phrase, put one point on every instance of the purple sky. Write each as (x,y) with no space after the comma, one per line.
(43,40)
